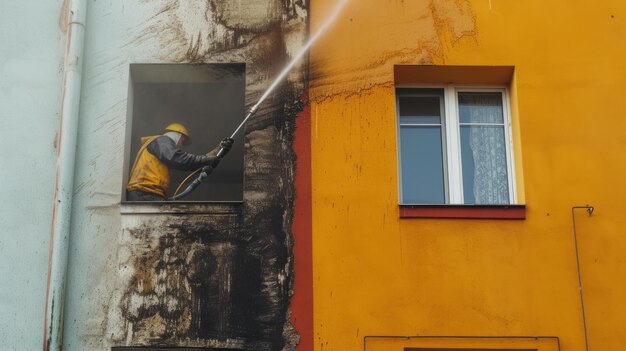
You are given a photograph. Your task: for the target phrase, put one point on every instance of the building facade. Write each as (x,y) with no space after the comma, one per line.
(435,175)
(380,267)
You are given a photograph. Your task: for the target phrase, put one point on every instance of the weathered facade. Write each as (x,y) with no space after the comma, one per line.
(218,275)
(320,254)
(196,275)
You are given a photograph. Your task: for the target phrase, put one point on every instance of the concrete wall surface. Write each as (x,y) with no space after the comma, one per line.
(31,71)
(378,274)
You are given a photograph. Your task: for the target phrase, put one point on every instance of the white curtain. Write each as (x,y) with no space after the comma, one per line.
(488,148)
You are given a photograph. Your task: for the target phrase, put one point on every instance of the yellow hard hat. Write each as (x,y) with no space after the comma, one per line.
(177,127)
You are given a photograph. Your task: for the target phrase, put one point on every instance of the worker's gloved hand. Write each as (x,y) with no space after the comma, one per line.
(226,144)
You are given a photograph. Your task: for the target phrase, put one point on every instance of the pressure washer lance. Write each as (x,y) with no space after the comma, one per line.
(206,170)
(321,30)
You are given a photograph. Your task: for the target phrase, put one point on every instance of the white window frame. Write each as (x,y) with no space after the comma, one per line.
(453,171)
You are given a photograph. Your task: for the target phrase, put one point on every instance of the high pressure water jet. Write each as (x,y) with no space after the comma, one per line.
(205,171)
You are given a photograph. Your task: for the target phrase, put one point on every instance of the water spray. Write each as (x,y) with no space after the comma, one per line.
(221,152)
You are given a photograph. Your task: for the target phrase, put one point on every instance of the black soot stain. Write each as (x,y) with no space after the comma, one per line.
(224,280)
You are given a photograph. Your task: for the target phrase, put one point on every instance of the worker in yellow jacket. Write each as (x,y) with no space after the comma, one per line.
(150,174)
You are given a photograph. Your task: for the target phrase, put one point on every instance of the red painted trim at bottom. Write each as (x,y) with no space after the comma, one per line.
(464,211)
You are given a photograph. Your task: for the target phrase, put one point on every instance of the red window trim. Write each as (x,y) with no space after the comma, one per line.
(464,211)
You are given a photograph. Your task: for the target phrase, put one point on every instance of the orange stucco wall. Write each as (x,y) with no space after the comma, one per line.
(377,274)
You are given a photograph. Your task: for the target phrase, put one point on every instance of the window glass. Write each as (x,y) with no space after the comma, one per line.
(480,108)
(483,155)
(421,136)
(422,165)
(483,148)
(420,109)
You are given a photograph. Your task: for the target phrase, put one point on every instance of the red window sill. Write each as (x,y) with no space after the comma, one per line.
(464,211)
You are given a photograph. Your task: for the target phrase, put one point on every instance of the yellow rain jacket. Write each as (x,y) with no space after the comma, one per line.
(151,170)
(149,174)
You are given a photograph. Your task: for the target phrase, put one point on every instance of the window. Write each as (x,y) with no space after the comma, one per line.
(455,146)
(209,99)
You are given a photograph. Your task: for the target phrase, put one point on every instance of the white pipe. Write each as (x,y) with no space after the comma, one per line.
(64,183)
(589,210)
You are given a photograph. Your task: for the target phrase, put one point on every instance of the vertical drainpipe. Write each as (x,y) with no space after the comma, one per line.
(64,183)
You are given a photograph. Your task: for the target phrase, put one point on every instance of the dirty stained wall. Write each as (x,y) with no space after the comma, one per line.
(378,274)
(218,275)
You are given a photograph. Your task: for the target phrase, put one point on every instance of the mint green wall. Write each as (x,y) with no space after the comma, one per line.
(31,63)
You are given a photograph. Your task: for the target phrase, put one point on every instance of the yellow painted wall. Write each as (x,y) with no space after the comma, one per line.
(377,274)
